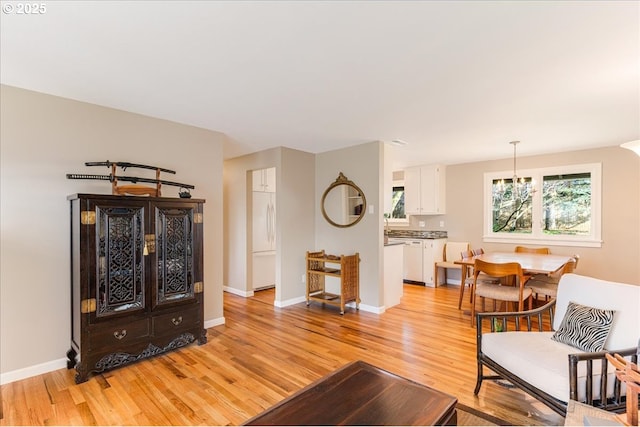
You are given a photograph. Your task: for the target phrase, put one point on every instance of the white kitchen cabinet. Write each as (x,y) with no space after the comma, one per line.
(432,252)
(424,190)
(264,180)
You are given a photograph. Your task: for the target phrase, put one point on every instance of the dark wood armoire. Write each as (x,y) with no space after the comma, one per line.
(136,279)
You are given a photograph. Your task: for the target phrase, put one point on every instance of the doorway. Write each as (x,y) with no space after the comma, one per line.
(263,229)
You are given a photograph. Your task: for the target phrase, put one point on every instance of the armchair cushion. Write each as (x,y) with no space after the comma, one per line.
(541,362)
(585,328)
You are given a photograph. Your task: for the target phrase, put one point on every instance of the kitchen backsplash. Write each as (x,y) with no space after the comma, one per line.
(418,234)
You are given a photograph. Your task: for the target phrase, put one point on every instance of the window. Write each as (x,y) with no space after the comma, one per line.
(563,210)
(397,203)
(512,205)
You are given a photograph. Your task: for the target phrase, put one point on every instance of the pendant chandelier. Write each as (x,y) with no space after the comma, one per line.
(521,189)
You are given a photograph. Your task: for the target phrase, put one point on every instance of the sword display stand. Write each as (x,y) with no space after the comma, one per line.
(134,189)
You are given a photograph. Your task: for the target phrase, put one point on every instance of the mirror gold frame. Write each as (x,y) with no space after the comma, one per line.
(353,203)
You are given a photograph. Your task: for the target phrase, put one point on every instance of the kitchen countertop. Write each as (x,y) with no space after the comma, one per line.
(393,243)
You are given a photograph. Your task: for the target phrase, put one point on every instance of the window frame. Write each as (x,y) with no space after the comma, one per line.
(399,221)
(593,240)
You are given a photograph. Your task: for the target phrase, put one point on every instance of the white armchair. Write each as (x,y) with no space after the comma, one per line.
(555,372)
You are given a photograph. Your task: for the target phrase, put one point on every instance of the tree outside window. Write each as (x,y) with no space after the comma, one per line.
(564,210)
(397,203)
(566,203)
(512,206)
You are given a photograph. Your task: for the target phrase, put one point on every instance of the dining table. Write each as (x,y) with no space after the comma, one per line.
(531,263)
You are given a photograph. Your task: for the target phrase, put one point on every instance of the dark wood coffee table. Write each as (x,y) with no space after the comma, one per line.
(362,394)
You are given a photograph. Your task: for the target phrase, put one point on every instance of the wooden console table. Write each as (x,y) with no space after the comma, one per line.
(362,394)
(347,270)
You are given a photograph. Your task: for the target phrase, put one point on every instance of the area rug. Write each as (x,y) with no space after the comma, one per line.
(468,416)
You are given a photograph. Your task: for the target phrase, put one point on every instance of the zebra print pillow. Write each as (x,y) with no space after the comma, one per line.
(585,328)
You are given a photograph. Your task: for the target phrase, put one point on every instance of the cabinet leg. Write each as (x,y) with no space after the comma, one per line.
(71,358)
(81,374)
(202,339)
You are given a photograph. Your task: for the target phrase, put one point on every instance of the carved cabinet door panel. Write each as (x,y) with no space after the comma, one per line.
(117,245)
(176,271)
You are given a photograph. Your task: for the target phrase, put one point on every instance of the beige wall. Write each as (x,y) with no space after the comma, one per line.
(42,139)
(619,257)
(294,220)
(296,210)
(362,164)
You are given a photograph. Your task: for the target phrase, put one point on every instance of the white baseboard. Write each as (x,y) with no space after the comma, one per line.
(289,302)
(238,292)
(368,308)
(32,371)
(214,322)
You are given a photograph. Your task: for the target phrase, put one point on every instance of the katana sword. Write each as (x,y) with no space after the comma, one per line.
(133,179)
(125,165)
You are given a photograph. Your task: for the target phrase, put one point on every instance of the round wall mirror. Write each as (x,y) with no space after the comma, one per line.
(343,203)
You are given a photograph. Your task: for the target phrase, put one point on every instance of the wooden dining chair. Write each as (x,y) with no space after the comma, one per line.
(499,292)
(449,255)
(524,249)
(547,285)
(468,281)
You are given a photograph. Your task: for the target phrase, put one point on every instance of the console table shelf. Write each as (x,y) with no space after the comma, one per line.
(348,273)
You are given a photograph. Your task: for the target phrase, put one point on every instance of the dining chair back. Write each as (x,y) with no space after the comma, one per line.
(450,253)
(516,293)
(576,259)
(468,281)
(547,285)
(544,251)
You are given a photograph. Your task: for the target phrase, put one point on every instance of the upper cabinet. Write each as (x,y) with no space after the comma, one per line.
(424,190)
(264,180)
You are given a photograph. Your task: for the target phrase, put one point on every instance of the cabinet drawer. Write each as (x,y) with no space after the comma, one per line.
(176,321)
(118,334)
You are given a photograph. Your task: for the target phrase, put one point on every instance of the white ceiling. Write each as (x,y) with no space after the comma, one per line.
(457,80)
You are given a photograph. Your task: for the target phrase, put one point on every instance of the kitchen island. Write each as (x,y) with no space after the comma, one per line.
(393,253)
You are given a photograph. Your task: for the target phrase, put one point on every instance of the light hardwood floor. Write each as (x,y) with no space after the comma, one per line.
(263,354)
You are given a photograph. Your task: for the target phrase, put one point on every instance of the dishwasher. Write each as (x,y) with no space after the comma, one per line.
(413,261)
